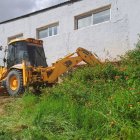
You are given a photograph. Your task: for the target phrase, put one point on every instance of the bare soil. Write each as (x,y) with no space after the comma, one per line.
(4,100)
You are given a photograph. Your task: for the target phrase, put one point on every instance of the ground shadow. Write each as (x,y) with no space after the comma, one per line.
(3,92)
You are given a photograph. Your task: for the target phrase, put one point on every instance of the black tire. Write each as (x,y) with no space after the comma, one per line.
(14,88)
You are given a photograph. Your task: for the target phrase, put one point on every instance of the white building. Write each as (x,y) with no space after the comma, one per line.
(106,27)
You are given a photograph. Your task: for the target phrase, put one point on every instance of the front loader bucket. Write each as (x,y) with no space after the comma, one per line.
(87,56)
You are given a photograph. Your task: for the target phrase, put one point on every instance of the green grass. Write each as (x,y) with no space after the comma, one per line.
(101,102)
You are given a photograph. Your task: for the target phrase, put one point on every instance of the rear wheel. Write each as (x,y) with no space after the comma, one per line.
(14,82)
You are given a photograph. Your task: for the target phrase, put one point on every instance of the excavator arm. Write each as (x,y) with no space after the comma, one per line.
(66,63)
(50,74)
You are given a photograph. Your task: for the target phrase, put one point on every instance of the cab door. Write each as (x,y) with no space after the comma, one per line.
(11,56)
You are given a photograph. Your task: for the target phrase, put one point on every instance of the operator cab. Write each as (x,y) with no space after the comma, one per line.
(30,50)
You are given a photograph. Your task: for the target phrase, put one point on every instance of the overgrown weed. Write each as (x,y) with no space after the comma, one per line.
(101,102)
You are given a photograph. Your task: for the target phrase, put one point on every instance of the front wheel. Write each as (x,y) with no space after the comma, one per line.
(14,82)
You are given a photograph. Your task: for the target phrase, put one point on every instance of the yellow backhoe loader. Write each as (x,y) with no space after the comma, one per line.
(26,65)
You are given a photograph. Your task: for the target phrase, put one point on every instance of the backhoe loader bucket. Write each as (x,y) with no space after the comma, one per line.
(88,57)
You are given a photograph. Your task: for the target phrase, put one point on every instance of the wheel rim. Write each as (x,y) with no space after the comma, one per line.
(13,83)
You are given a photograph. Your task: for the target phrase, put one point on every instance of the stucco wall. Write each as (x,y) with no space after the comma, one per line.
(107,39)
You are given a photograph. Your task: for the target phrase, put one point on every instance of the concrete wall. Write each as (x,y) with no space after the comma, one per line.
(107,39)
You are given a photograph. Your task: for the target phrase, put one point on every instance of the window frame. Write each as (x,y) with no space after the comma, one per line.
(47,27)
(92,12)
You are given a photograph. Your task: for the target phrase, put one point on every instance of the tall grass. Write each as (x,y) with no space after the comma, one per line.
(101,102)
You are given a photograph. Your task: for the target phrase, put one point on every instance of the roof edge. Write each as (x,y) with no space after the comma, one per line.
(39,11)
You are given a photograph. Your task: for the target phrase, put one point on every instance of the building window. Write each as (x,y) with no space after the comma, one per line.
(92,18)
(101,16)
(84,21)
(47,31)
(18,36)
